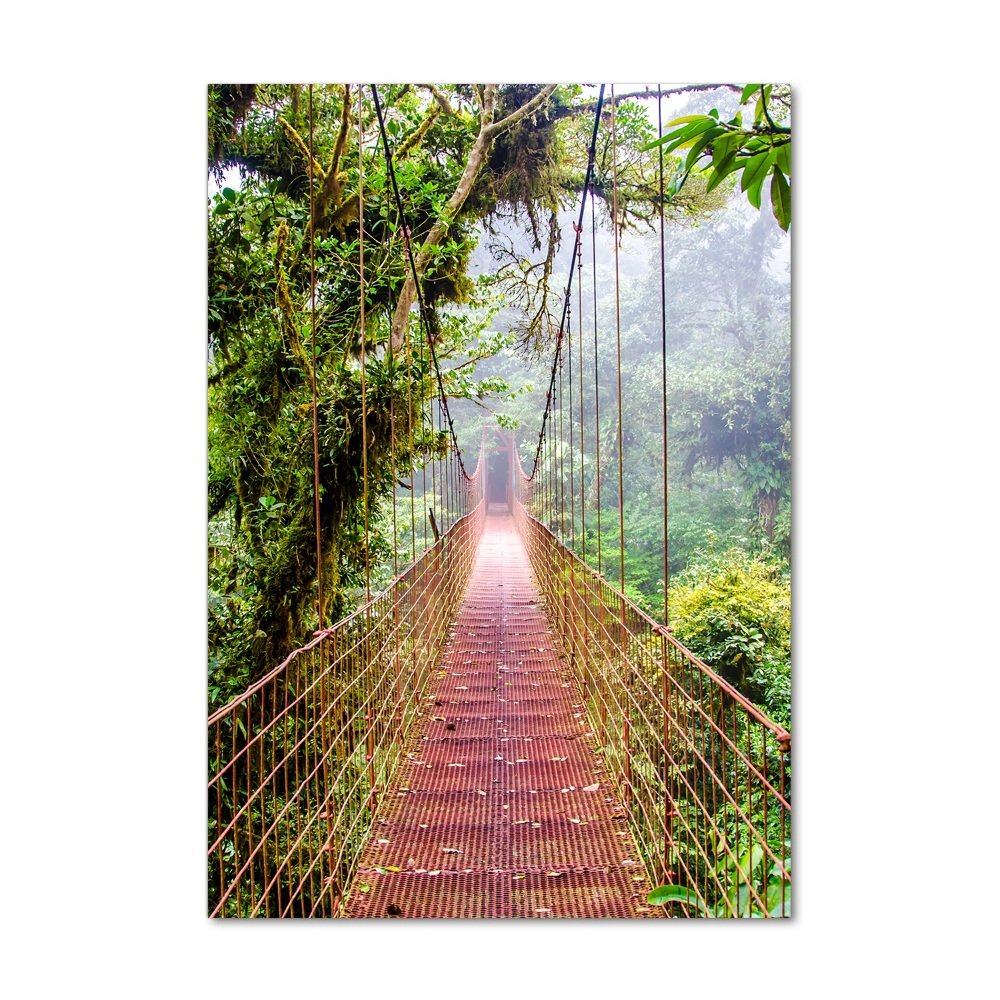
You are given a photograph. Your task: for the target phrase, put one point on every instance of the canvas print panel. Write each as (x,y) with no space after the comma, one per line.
(499,489)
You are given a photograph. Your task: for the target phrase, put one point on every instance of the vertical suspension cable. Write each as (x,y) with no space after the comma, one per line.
(409,431)
(399,711)
(583,450)
(392,389)
(561,455)
(572,452)
(615,231)
(364,393)
(435,461)
(427,418)
(315,430)
(663,322)
(597,382)
(315,416)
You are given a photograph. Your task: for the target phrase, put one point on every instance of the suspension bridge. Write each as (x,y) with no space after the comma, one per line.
(500,732)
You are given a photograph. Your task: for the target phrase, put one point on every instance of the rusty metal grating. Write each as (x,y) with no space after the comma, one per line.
(496,894)
(501,805)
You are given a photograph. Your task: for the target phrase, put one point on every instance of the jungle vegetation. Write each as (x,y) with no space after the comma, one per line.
(488,175)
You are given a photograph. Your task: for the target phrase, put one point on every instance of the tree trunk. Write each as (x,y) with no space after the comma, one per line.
(488,133)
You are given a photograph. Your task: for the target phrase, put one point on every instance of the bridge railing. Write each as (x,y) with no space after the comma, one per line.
(702,773)
(299,761)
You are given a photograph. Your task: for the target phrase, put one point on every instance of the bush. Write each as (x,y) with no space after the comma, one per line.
(733,610)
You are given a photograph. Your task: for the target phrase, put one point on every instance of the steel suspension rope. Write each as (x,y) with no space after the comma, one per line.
(416,280)
(616,233)
(663,321)
(583,452)
(569,284)
(560,451)
(364,385)
(392,397)
(597,385)
(315,411)
(572,453)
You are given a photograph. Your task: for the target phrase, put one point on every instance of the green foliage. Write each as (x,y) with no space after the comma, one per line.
(727,148)
(737,875)
(733,610)
(262,574)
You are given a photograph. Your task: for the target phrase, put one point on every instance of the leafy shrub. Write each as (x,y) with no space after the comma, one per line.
(733,610)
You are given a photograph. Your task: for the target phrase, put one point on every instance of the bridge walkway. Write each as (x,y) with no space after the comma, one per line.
(502,806)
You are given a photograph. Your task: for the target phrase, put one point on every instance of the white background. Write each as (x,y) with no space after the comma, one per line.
(103,401)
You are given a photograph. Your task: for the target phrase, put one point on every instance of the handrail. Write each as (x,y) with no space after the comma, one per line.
(702,772)
(299,761)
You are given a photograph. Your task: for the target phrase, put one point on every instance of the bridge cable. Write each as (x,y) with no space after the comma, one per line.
(569,285)
(416,280)
(572,453)
(361,265)
(616,232)
(663,321)
(387,241)
(315,417)
(579,299)
(597,384)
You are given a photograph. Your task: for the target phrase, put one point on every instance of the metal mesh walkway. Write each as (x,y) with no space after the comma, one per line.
(501,807)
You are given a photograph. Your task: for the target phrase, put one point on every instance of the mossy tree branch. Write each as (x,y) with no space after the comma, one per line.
(489,132)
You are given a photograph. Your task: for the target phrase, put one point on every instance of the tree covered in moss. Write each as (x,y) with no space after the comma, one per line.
(470,161)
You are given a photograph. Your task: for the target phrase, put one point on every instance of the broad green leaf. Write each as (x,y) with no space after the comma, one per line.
(783,158)
(777,909)
(687,118)
(748,91)
(700,143)
(229,194)
(725,144)
(755,169)
(690,133)
(781,199)
(774,892)
(664,894)
(754,191)
(751,858)
(726,167)
(677,136)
